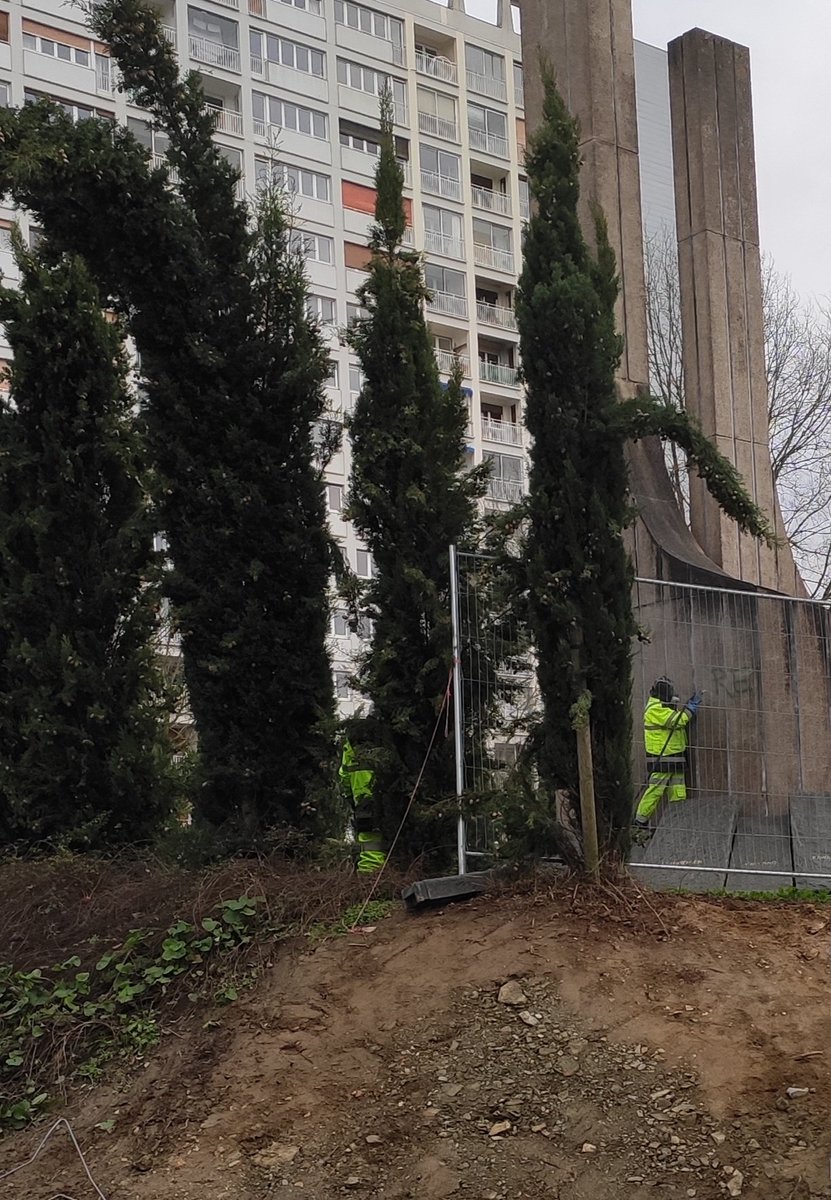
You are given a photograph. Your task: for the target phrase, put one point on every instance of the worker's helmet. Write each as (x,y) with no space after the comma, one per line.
(663,690)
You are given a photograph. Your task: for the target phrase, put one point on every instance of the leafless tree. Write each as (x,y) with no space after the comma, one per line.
(798,361)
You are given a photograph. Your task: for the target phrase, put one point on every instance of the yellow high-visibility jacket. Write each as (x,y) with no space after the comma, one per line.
(665,729)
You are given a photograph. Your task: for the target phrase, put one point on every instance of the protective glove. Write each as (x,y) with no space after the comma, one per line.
(694,703)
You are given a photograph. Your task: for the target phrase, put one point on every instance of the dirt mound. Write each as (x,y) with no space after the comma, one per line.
(643,1048)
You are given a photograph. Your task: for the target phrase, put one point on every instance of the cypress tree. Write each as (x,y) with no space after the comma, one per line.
(409,498)
(232,396)
(575,569)
(83,715)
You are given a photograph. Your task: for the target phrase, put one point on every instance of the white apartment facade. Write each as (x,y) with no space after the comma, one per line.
(294,85)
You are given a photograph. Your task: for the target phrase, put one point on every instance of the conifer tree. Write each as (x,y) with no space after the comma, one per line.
(232,374)
(84,754)
(410,498)
(574,564)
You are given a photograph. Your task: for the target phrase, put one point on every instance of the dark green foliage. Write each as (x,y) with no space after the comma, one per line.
(233,374)
(410,499)
(83,716)
(574,568)
(578,576)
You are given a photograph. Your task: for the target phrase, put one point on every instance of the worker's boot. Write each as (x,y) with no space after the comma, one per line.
(642,832)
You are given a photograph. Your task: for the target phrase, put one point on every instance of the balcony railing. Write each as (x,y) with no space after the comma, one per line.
(491,200)
(159,160)
(438,126)
(491,143)
(225,119)
(441,185)
(447,362)
(215,54)
(443,243)
(486,85)
(404,164)
(256,8)
(103,74)
(257,64)
(519,96)
(169,34)
(506,491)
(489,256)
(449,303)
(506,433)
(437,67)
(228,3)
(496,314)
(499,373)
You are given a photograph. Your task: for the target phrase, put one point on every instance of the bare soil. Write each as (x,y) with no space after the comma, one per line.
(649,1054)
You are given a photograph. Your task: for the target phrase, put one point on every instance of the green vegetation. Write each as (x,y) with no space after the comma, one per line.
(63,1024)
(368,914)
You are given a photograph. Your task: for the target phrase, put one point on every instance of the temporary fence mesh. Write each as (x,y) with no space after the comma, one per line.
(757,816)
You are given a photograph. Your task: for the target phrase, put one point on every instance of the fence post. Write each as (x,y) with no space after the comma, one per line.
(585,770)
(458,712)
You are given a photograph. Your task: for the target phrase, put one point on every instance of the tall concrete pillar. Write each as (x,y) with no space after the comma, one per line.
(721,291)
(590,47)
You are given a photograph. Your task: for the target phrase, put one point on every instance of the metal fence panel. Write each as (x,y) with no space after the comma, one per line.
(758,812)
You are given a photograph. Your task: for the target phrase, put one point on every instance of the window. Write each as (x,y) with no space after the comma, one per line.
(356,142)
(377,24)
(437,113)
(205,27)
(297,180)
(498,237)
(156,141)
(488,129)
(342,689)
(484,63)
(323,309)
(312,6)
(355,312)
(334,497)
(441,172)
(444,279)
(270,110)
(443,231)
(274,49)
(363,564)
(519,85)
(333,378)
(5,238)
(77,112)
(315,247)
(35,237)
(506,478)
(340,625)
(366,79)
(524,199)
(357,379)
(5,94)
(54,49)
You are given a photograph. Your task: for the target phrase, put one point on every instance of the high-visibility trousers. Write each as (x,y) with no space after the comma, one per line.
(371,856)
(671,782)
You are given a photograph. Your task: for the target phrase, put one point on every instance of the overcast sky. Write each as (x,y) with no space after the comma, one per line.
(792,100)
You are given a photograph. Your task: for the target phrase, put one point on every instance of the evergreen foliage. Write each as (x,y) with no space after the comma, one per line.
(84,754)
(573,564)
(410,499)
(233,375)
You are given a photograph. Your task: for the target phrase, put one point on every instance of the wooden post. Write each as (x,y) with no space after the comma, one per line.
(585,767)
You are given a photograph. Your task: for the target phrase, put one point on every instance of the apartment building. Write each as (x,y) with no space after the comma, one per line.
(294,87)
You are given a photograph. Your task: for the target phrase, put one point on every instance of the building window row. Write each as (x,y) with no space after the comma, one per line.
(269,47)
(271,111)
(56,49)
(314,185)
(377,24)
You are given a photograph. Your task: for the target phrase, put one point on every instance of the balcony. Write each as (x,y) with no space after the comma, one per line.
(448,303)
(519,96)
(443,243)
(225,119)
(491,143)
(505,491)
(438,127)
(437,67)
(160,160)
(169,34)
(491,201)
(441,185)
(499,373)
(489,256)
(498,315)
(486,85)
(228,3)
(447,360)
(215,54)
(505,433)
(256,8)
